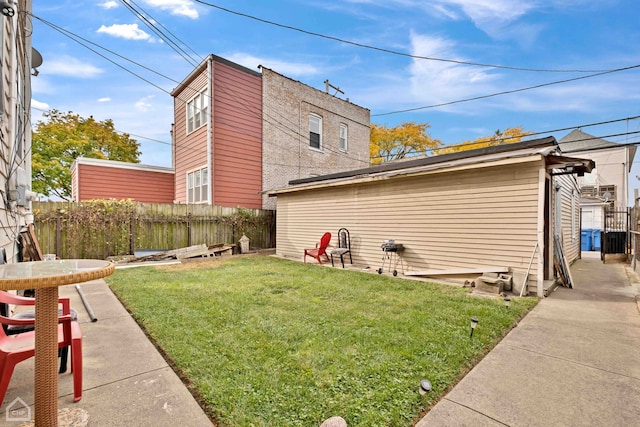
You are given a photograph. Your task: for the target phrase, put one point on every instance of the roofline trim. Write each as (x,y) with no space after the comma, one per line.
(202,66)
(423,161)
(120,165)
(417,171)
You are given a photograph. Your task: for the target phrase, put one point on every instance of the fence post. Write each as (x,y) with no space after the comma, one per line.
(189,229)
(59,234)
(132,234)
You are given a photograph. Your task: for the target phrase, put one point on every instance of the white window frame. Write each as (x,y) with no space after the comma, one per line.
(197,110)
(344,137)
(315,121)
(198,186)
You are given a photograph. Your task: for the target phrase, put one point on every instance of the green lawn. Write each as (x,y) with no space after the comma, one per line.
(272,342)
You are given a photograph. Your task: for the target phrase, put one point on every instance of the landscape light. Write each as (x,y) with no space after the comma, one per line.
(425,386)
(474,323)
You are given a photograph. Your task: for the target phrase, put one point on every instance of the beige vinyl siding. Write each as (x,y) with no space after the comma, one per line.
(463,219)
(569,190)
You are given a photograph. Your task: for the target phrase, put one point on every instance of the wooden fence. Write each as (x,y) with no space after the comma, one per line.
(102,228)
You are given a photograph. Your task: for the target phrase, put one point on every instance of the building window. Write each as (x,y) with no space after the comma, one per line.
(198,111)
(198,186)
(343,137)
(315,131)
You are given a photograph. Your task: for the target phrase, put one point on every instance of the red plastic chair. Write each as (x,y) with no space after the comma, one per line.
(17,348)
(320,249)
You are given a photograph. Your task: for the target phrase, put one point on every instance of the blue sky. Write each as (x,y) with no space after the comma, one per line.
(587,35)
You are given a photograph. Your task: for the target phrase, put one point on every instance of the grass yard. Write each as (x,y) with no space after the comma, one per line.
(271,342)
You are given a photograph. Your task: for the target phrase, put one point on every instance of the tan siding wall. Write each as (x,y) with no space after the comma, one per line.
(461,219)
(190,150)
(570,235)
(237,137)
(99,182)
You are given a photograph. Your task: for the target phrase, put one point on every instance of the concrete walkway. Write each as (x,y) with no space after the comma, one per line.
(574,360)
(126,380)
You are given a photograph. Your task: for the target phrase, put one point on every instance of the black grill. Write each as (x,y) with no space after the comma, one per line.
(392,247)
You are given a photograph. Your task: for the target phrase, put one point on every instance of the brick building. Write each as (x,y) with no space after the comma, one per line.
(239,133)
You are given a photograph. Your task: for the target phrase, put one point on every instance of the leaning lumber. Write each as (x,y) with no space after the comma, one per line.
(454,271)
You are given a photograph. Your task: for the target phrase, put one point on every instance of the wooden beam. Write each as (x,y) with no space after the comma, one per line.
(478,270)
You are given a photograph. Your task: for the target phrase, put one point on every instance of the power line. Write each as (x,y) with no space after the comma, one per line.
(267,118)
(129,4)
(394,52)
(294,132)
(67,33)
(506,92)
(500,140)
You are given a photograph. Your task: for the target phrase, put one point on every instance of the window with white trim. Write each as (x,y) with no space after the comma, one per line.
(344,131)
(198,186)
(315,131)
(198,111)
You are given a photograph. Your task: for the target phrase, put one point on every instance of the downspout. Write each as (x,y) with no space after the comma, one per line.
(625,179)
(542,188)
(300,141)
(210,130)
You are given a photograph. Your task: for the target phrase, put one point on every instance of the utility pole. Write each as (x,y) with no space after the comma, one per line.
(328,85)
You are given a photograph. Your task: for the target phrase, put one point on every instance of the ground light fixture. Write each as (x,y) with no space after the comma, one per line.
(507,302)
(474,323)
(425,386)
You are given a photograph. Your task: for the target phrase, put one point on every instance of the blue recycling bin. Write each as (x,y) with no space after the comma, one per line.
(597,234)
(586,239)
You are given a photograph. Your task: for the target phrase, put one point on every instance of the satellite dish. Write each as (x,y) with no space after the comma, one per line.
(606,196)
(36,58)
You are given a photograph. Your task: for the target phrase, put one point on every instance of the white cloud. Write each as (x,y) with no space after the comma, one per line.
(143,104)
(176,7)
(125,31)
(110,4)
(491,16)
(69,66)
(39,105)
(435,82)
(282,67)
(105,99)
(485,12)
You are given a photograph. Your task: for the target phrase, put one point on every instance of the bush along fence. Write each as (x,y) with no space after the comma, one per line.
(102,228)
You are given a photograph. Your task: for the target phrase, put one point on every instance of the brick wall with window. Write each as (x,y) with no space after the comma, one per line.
(307,132)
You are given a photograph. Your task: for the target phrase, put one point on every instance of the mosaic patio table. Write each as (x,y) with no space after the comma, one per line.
(45,277)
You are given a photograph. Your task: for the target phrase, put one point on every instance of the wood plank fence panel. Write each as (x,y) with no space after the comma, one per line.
(98,229)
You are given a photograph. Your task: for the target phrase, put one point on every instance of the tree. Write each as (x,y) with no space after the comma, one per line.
(64,137)
(509,136)
(405,140)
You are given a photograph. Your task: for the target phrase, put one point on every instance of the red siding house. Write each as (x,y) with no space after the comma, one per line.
(108,179)
(237,134)
(218,135)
